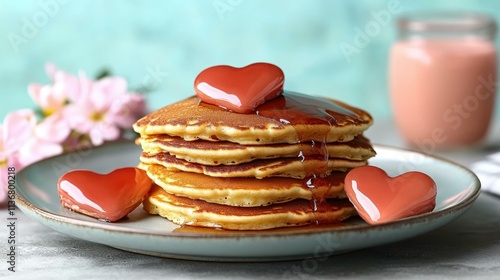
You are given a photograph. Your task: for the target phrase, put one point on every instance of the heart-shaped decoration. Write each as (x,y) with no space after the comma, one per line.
(104,196)
(379,198)
(239,90)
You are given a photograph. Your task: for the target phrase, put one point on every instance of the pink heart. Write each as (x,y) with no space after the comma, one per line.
(379,198)
(104,196)
(239,89)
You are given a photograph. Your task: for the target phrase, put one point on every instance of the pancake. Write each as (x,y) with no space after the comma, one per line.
(185,211)
(229,153)
(290,118)
(245,191)
(281,167)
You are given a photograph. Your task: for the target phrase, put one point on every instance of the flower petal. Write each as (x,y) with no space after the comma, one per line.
(17,128)
(96,137)
(112,86)
(34,92)
(53,129)
(3,185)
(103,132)
(71,84)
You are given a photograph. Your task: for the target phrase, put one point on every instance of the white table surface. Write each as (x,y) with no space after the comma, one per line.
(468,248)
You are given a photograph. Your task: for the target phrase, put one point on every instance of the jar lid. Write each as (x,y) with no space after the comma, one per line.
(455,22)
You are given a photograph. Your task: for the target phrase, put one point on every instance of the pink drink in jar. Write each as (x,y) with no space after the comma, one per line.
(443,79)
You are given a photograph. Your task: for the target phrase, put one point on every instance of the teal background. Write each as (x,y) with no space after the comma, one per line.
(165,44)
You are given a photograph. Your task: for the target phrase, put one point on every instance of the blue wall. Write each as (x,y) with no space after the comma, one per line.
(167,43)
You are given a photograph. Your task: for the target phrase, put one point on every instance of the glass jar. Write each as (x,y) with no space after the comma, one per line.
(442,79)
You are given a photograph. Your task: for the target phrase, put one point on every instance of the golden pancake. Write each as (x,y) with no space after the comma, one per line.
(281,167)
(185,211)
(245,191)
(229,153)
(290,118)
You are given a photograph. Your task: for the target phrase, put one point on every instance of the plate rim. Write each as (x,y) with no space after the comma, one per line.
(298,231)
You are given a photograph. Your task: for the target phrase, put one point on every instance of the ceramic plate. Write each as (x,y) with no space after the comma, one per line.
(140,232)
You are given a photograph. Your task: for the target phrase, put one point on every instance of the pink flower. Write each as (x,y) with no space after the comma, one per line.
(65,88)
(101,109)
(54,128)
(50,98)
(75,86)
(15,131)
(78,111)
(45,141)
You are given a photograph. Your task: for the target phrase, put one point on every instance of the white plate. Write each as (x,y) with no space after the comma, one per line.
(457,189)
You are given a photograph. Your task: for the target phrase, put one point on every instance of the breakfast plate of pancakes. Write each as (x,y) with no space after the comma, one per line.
(282,166)
(142,232)
(259,186)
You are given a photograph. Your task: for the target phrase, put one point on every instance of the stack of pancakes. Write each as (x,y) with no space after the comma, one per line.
(283,165)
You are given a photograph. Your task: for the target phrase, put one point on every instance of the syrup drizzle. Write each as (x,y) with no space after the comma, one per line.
(293,108)
(290,107)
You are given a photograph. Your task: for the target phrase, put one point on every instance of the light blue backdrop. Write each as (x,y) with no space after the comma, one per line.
(167,43)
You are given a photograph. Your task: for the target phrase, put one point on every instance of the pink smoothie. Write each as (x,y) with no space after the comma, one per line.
(443,91)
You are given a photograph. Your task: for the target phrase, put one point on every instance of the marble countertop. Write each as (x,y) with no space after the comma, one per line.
(467,248)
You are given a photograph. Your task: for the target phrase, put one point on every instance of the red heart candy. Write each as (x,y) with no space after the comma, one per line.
(104,196)
(239,89)
(379,198)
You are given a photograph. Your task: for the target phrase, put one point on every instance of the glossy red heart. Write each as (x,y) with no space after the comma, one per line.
(379,198)
(104,196)
(239,90)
